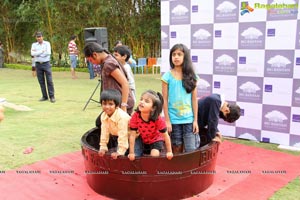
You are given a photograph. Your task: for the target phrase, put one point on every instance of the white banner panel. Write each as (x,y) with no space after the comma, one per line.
(250,52)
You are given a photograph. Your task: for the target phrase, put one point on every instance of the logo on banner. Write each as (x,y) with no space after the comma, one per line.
(203,87)
(226,11)
(226,7)
(285,7)
(201,34)
(225,64)
(252,33)
(203,84)
(276,117)
(250,92)
(297,97)
(296,93)
(246,8)
(279,64)
(295,140)
(225,60)
(248,136)
(165,37)
(202,38)
(275,120)
(252,37)
(180,14)
(250,89)
(248,133)
(180,10)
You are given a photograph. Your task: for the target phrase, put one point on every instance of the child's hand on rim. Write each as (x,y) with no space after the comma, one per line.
(169,155)
(131,156)
(101,153)
(115,155)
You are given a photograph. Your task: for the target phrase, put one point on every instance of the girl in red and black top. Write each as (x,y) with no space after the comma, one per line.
(147,122)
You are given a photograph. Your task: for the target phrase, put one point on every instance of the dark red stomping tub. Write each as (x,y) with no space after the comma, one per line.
(185,175)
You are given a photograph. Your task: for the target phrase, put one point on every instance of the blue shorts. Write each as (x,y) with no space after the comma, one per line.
(73,59)
(183,134)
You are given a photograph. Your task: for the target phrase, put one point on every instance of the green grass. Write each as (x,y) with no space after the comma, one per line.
(54,129)
(290,192)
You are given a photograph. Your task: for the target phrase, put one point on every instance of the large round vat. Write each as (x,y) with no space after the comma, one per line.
(147,177)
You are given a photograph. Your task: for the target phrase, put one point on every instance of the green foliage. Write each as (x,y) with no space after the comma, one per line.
(135,22)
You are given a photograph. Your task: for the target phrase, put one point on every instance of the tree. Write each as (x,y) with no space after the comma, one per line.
(135,22)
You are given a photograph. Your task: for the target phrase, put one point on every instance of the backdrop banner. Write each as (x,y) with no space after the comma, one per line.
(250,52)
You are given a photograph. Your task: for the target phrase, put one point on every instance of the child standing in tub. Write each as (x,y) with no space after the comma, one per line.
(147,123)
(180,100)
(114,124)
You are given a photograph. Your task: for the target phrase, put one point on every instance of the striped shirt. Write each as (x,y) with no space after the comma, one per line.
(72,48)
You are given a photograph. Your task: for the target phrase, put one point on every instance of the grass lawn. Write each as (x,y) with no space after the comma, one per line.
(54,129)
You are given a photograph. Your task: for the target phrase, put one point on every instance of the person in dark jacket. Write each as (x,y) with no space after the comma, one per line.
(210,109)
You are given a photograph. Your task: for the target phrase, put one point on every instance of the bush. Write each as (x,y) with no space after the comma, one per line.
(54,69)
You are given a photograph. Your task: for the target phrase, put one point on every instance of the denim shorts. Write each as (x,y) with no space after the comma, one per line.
(73,59)
(159,145)
(183,134)
(141,148)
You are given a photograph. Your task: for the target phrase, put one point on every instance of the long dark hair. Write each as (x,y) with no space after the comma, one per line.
(189,80)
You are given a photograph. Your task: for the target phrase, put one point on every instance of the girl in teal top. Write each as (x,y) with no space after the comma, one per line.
(180,100)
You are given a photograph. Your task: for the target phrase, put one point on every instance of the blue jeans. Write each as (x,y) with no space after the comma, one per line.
(91,70)
(138,147)
(183,134)
(73,59)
